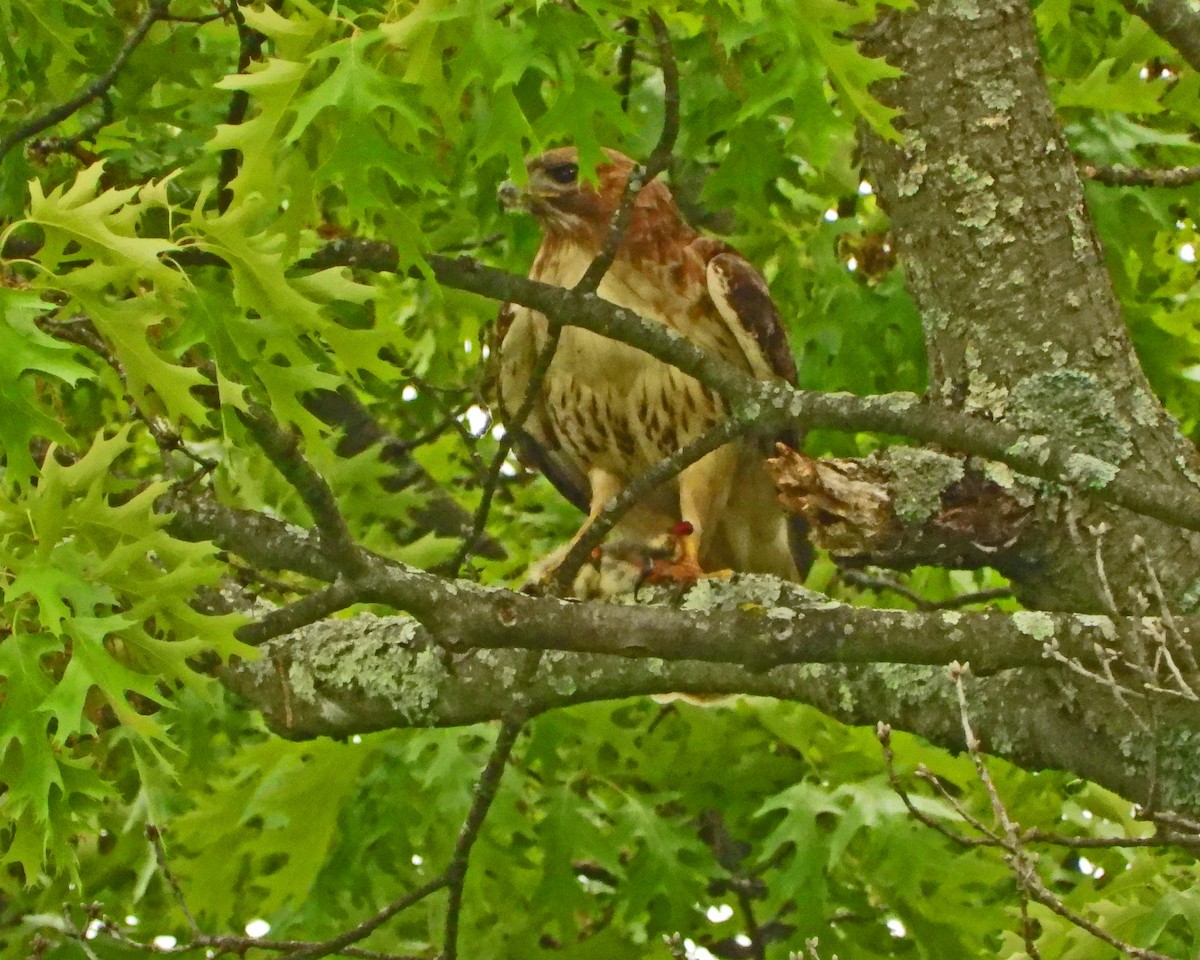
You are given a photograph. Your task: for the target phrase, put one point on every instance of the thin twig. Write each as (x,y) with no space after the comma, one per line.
(1120,176)
(453,414)
(316,606)
(343,940)
(1028,928)
(82,332)
(883,733)
(1038,892)
(1165,611)
(625,61)
(878,582)
(156,10)
(71,144)
(660,157)
(491,240)
(283,450)
(1020,862)
(154,835)
(758,944)
(250,44)
(642,485)
(397,446)
(533,390)
(1176,21)
(222,13)
(485,793)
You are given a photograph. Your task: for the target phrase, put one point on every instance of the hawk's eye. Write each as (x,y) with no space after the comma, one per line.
(563,172)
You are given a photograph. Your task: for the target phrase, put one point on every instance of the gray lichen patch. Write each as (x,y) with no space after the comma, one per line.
(1144,408)
(1189,603)
(1034,623)
(1074,410)
(966,9)
(911,178)
(978,209)
(1178,774)
(377,658)
(1090,472)
(921,477)
(999,94)
(770,596)
(983,395)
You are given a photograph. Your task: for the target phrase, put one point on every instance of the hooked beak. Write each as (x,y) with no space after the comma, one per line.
(510,196)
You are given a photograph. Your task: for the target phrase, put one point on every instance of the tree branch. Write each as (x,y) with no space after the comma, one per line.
(640,487)
(774,623)
(282,449)
(1137,177)
(156,11)
(250,44)
(1176,21)
(532,390)
(778,404)
(640,176)
(484,794)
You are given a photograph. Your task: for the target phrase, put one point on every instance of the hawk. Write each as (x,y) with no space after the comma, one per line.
(606,411)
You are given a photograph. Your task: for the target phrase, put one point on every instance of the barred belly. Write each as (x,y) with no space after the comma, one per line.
(621,410)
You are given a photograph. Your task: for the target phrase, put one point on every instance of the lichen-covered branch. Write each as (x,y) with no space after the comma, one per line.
(457,660)
(370,673)
(1118,176)
(755,622)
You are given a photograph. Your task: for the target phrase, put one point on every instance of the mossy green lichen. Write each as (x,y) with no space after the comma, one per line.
(978,209)
(966,9)
(1090,473)
(1189,603)
(921,476)
(1177,772)
(375,657)
(912,684)
(755,592)
(912,177)
(1075,411)
(1001,474)
(983,396)
(1034,623)
(1093,621)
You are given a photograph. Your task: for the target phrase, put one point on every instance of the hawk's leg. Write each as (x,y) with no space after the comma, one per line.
(704,490)
(604,486)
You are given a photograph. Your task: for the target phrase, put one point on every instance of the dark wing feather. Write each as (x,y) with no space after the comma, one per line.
(741,294)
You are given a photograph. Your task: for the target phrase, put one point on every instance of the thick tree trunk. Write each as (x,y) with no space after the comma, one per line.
(1020,317)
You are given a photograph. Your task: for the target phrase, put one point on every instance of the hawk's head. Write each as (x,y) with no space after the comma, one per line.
(563,203)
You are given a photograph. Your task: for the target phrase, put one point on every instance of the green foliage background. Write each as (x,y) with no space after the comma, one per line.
(397,120)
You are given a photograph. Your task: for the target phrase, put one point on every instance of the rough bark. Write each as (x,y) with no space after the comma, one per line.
(989,219)
(456,660)
(370,673)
